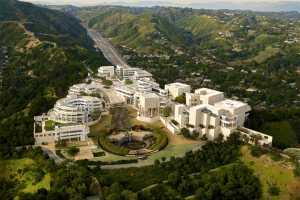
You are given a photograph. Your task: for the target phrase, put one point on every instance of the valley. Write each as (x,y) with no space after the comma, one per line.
(251,56)
(148,103)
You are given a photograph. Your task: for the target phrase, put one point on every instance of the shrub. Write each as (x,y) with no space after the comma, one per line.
(174,122)
(185,132)
(73,151)
(273,190)
(38,175)
(99,154)
(110,147)
(161,140)
(128,82)
(107,82)
(256,151)
(181,99)
(297,170)
(195,135)
(166,112)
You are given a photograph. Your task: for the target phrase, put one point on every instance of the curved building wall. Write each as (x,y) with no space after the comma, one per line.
(75,109)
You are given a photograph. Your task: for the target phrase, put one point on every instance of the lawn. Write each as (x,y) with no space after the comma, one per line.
(25,172)
(50,125)
(276,172)
(266,54)
(177,145)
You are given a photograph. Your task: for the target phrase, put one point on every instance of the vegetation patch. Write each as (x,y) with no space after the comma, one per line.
(73,151)
(50,125)
(29,171)
(283,134)
(279,173)
(108,146)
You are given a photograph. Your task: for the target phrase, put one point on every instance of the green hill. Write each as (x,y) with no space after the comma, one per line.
(41,54)
(251,56)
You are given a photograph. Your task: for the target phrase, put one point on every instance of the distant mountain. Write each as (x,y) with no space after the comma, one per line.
(42,52)
(264,6)
(254,6)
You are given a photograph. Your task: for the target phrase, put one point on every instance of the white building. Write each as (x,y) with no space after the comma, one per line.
(208,113)
(148,106)
(147,86)
(177,89)
(62,133)
(132,73)
(126,92)
(141,74)
(106,71)
(204,96)
(76,109)
(83,89)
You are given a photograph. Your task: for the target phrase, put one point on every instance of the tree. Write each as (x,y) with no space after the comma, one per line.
(106,82)
(166,111)
(273,189)
(297,169)
(128,82)
(195,134)
(185,132)
(181,99)
(73,151)
(232,182)
(174,179)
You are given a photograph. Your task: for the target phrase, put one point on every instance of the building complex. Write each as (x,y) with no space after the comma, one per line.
(206,112)
(70,117)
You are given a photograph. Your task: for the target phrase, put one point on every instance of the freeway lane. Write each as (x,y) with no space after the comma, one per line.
(110,53)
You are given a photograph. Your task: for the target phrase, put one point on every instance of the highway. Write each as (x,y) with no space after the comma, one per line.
(110,53)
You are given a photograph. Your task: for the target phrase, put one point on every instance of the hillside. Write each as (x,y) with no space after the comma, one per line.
(42,53)
(251,56)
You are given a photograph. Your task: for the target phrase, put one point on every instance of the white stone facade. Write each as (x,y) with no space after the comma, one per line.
(76,109)
(209,113)
(106,71)
(62,133)
(177,89)
(148,106)
(83,88)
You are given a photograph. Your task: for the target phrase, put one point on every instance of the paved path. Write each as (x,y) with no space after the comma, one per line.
(110,53)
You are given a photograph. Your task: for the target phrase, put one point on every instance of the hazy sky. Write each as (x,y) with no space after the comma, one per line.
(94,2)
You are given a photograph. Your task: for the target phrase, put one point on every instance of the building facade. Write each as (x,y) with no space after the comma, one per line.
(106,71)
(148,106)
(177,89)
(62,133)
(207,112)
(83,89)
(76,109)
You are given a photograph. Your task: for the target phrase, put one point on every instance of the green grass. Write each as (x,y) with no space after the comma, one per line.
(276,172)
(23,170)
(44,183)
(201,25)
(50,125)
(266,54)
(110,147)
(161,139)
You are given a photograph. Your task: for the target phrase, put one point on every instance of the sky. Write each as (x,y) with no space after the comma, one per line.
(183,2)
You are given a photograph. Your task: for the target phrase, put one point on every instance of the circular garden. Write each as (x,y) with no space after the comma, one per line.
(139,140)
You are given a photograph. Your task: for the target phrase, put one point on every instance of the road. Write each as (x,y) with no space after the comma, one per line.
(110,53)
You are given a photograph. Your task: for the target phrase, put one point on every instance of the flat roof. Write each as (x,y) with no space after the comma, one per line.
(230,104)
(106,67)
(207,92)
(148,95)
(177,84)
